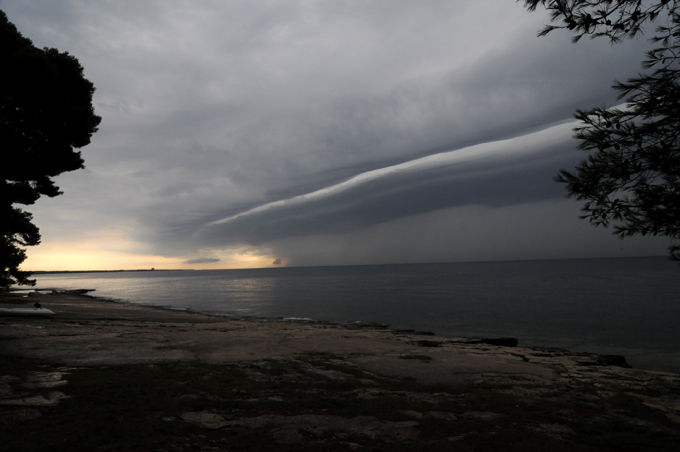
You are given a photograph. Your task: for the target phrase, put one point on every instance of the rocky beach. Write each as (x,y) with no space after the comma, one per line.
(107,376)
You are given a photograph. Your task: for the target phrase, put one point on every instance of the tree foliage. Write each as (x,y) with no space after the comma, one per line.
(46,113)
(631,178)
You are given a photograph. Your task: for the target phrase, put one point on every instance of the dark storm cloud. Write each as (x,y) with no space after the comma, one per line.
(263,109)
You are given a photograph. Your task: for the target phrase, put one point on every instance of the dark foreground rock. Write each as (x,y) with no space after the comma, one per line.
(106,377)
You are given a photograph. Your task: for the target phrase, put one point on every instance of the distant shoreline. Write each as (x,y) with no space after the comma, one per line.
(46,272)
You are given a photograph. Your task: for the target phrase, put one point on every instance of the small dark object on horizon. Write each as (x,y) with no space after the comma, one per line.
(37,305)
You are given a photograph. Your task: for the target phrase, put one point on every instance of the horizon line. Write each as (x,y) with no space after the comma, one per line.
(343,265)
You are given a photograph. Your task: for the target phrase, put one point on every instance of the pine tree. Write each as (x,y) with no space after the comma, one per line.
(631,178)
(46,113)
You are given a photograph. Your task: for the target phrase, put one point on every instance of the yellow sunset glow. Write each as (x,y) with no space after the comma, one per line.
(118,254)
(66,258)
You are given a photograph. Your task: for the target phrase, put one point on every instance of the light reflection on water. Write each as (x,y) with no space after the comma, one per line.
(609,306)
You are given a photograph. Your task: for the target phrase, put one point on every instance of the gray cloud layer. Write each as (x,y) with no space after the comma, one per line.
(218,109)
(202,260)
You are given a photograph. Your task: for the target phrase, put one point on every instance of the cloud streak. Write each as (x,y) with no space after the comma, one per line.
(499,173)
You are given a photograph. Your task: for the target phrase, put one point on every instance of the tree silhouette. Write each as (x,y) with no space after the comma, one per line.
(46,113)
(631,179)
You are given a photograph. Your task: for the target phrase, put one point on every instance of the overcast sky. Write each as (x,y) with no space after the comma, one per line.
(300,132)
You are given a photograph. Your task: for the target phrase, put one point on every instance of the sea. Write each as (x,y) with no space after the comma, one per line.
(619,306)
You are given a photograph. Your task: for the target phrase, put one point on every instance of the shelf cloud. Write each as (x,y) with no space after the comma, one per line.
(495,174)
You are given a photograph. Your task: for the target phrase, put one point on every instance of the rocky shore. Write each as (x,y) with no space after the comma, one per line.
(107,376)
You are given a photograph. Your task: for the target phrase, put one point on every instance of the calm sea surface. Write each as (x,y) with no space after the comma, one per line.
(626,306)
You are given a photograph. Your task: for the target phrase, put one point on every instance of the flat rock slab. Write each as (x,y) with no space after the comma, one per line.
(86,331)
(52,399)
(449,365)
(290,429)
(205,419)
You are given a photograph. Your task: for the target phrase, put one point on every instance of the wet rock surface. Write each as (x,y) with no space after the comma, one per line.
(145,379)
(294,429)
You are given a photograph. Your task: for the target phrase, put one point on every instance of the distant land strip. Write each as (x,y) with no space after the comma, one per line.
(44,272)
